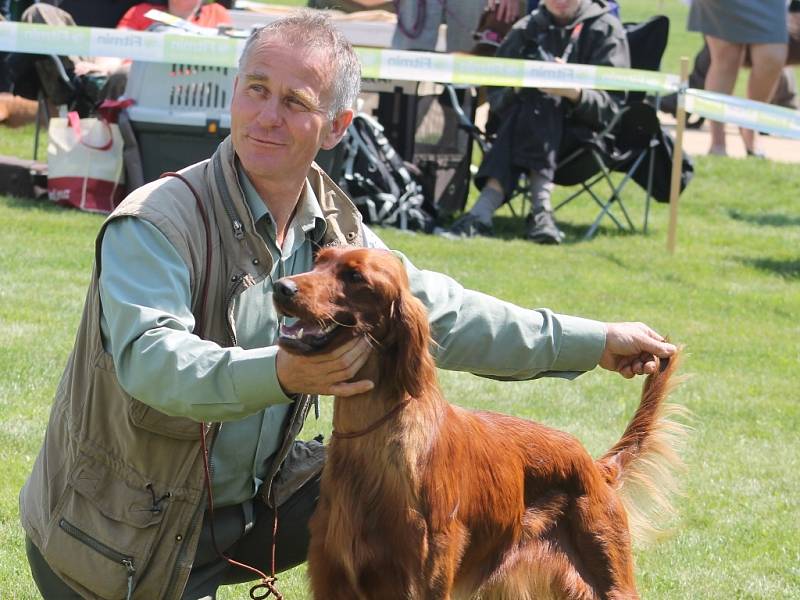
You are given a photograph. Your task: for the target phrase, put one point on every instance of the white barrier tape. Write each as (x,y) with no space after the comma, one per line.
(477,70)
(377,63)
(217,51)
(769,118)
(221,51)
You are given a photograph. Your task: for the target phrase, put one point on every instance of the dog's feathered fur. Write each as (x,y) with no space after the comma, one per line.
(443,502)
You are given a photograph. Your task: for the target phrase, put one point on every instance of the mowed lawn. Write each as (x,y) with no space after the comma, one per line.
(730,294)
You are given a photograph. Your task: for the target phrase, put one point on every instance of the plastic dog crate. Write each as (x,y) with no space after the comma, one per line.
(181,114)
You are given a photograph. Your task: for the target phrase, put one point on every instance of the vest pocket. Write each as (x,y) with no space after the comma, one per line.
(154,421)
(147,418)
(102,532)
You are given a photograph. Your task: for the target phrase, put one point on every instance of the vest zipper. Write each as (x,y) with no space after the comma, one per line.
(213,429)
(227,203)
(101,548)
(237,282)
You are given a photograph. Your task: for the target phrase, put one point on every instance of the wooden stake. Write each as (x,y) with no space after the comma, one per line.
(677,157)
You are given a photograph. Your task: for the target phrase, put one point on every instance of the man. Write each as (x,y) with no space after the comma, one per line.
(19,81)
(172,335)
(537,126)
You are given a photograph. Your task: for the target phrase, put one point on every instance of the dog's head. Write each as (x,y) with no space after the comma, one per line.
(355,292)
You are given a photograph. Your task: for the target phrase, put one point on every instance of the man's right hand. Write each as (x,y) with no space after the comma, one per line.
(631,349)
(506,10)
(327,374)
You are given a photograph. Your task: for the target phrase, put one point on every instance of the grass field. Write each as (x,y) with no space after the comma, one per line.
(731,294)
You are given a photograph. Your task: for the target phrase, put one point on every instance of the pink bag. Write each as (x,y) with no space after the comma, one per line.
(85,166)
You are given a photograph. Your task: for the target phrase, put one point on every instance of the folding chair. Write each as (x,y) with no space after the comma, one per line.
(629,144)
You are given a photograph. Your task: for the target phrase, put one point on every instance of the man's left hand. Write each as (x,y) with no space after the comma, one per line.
(631,349)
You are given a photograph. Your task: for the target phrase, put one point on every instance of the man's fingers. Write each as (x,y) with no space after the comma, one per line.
(351,364)
(344,390)
(660,348)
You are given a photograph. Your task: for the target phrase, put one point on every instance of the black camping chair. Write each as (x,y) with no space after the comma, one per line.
(633,143)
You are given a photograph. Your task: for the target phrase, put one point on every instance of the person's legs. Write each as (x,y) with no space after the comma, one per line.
(540,224)
(768,61)
(478,221)
(248,539)
(291,541)
(49,584)
(786,90)
(726,58)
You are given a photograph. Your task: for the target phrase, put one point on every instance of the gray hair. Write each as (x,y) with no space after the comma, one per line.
(312,29)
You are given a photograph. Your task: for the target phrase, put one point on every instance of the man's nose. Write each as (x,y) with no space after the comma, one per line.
(269,113)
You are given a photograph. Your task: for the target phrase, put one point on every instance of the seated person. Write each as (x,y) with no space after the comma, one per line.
(537,126)
(18,78)
(197,12)
(19,82)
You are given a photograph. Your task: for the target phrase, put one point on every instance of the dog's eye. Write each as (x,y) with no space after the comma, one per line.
(354,276)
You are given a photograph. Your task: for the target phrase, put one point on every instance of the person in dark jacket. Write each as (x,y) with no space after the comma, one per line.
(537,126)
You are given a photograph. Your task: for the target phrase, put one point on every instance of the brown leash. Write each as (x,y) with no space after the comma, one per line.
(354,434)
(267,586)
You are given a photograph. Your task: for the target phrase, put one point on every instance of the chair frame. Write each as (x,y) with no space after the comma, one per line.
(605,174)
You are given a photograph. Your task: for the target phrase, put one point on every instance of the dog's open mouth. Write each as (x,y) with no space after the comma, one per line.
(304,336)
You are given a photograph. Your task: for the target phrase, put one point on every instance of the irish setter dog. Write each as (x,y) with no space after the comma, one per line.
(421,499)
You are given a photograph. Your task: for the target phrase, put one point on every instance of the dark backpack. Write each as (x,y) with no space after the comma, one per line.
(378,180)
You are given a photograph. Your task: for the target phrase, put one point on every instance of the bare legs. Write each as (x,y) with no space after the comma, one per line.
(768,61)
(726,59)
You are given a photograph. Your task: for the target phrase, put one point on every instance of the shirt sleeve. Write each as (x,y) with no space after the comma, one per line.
(148,325)
(481,334)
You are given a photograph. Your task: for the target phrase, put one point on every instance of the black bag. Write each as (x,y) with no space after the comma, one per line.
(378,181)
(662,169)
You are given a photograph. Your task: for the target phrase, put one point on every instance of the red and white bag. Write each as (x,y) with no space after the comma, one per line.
(85,167)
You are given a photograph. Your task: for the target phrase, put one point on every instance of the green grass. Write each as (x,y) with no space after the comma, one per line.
(731,294)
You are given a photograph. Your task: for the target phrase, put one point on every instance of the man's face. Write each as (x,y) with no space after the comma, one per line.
(279,110)
(562,10)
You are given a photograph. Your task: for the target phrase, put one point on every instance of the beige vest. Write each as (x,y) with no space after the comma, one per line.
(116,495)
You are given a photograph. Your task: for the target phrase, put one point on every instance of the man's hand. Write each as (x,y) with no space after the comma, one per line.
(631,349)
(506,10)
(325,374)
(571,94)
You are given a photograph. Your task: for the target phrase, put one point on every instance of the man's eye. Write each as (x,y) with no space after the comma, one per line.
(295,103)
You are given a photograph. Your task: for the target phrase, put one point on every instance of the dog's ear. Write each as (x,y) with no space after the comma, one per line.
(413,364)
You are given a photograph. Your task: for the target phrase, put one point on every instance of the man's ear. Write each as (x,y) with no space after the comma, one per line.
(338,127)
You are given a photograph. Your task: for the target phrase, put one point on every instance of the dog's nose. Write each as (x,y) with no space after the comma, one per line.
(285,288)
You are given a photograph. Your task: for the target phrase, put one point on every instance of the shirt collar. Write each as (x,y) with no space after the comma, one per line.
(308,217)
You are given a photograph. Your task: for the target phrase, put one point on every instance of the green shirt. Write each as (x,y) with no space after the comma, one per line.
(147,323)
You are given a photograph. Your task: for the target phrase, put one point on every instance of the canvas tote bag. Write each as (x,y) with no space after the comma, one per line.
(85,167)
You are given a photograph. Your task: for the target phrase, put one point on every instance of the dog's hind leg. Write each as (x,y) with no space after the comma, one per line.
(601,544)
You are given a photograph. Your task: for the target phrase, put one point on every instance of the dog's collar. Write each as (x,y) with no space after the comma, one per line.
(354,434)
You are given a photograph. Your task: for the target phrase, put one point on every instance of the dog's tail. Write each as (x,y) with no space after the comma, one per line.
(643,465)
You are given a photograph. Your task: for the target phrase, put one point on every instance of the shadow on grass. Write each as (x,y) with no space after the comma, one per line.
(788,269)
(509,227)
(31,203)
(767,220)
